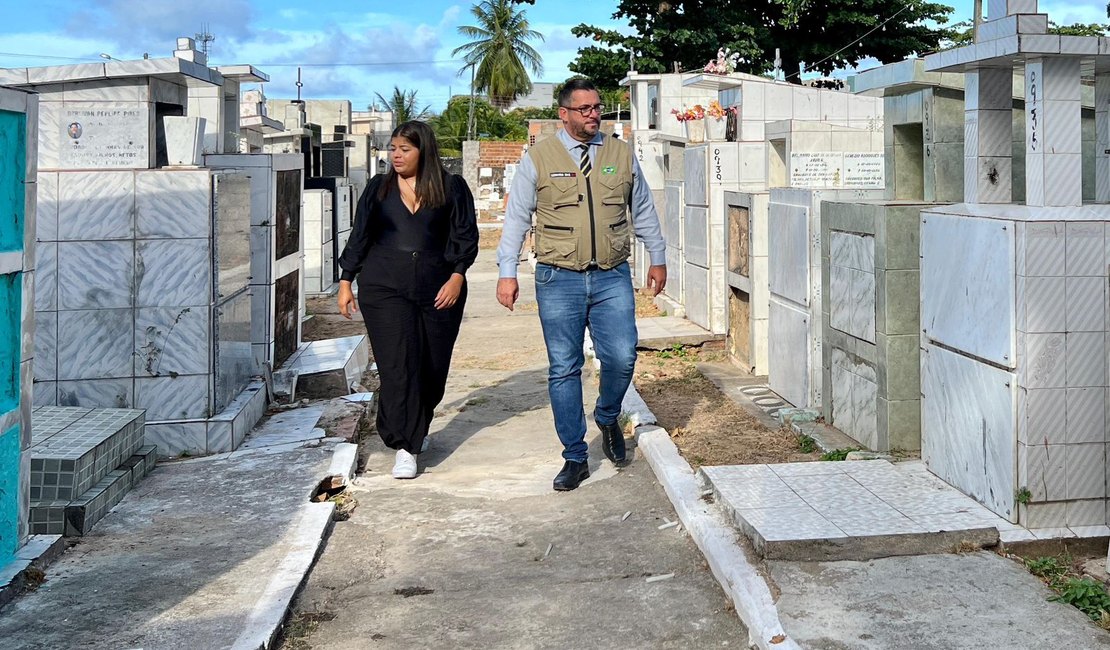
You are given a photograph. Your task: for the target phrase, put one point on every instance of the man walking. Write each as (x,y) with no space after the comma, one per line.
(580,184)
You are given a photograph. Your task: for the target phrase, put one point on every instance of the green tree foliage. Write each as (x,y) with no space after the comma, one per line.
(824,35)
(403,104)
(962,32)
(499,51)
(489,123)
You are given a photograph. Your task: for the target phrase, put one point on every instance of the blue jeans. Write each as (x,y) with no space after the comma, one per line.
(569,301)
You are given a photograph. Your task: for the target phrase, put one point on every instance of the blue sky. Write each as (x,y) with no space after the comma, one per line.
(406,43)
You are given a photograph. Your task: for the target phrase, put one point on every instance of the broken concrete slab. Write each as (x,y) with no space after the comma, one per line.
(330,367)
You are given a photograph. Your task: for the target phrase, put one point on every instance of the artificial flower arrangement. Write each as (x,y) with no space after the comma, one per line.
(686,114)
(716,110)
(725,62)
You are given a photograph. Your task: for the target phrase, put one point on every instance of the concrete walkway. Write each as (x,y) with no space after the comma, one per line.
(479,552)
(859,514)
(202,554)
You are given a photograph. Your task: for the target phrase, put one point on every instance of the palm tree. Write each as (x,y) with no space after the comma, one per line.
(403,105)
(499,52)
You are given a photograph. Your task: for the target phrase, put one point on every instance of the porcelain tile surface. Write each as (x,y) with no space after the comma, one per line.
(172,340)
(175,438)
(286,427)
(46,346)
(175,273)
(173,205)
(46,212)
(789,373)
(959,395)
(97,393)
(790,523)
(46,276)
(95,274)
(173,398)
(95,343)
(788,253)
(1086,359)
(96,205)
(968,278)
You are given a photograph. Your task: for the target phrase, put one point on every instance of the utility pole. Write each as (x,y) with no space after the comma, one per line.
(470,116)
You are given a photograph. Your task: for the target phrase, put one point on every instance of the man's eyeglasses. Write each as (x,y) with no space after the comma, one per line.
(587,109)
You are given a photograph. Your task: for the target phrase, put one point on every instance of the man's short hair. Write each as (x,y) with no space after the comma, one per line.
(578,83)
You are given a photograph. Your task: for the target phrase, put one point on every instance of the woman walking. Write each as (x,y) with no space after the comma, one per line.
(414,237)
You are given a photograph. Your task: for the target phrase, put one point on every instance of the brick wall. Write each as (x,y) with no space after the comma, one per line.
(499,154)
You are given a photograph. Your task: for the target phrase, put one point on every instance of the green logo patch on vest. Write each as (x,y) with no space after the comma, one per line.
(609,169)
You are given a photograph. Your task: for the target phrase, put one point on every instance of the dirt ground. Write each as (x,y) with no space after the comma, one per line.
(707,426)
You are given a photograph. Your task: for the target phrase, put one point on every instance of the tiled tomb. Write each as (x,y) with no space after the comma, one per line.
(696,285)
(144,298)
(809,163)
(18,129)
(322,271)
(276,266)
(1013,296)
(869,316)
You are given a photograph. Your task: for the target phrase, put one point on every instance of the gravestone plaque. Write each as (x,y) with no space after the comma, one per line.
(864,170)
(104,138)
(809,169)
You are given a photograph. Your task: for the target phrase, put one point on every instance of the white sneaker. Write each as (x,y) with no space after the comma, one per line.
(405,465)
(427,443)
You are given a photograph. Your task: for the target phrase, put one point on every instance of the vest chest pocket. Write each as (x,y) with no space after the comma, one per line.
(556,242)
(615,189)
(559,192)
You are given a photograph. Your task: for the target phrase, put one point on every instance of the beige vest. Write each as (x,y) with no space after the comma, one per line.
(580,221)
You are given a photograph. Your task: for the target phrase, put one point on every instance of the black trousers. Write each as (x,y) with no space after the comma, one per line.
(411,339)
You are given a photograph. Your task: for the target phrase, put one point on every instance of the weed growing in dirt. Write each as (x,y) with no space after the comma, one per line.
(806,444)
(837,454)
(1085,594)
(676,351)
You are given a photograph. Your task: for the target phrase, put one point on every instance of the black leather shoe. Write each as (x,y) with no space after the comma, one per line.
(612,443)
(571,475)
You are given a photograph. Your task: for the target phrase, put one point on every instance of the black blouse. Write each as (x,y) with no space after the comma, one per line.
(451,229)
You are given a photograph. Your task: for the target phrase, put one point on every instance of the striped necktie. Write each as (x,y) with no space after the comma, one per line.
(584,161)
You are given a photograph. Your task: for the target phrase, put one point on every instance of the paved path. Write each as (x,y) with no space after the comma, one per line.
(479,552)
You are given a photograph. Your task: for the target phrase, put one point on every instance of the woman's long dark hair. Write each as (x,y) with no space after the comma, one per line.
(431,175)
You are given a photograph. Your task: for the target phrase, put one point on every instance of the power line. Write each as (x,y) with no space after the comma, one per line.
(872,31)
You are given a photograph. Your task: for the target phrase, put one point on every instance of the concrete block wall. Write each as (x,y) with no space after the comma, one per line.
(871,361)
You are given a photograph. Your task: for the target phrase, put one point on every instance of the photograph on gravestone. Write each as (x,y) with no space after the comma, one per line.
(104,138)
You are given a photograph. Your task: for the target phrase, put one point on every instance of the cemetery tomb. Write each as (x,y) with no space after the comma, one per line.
(812,162)
(161,320)
(1013,296)
(275,253)
(18,129)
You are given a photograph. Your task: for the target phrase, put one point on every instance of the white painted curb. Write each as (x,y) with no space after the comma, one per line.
(305,538)
(737,576)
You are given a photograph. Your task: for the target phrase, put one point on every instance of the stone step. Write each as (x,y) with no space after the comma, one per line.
(73,448)
(77,517)
(849,510)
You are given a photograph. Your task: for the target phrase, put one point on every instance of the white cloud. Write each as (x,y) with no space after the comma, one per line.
(153,26)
